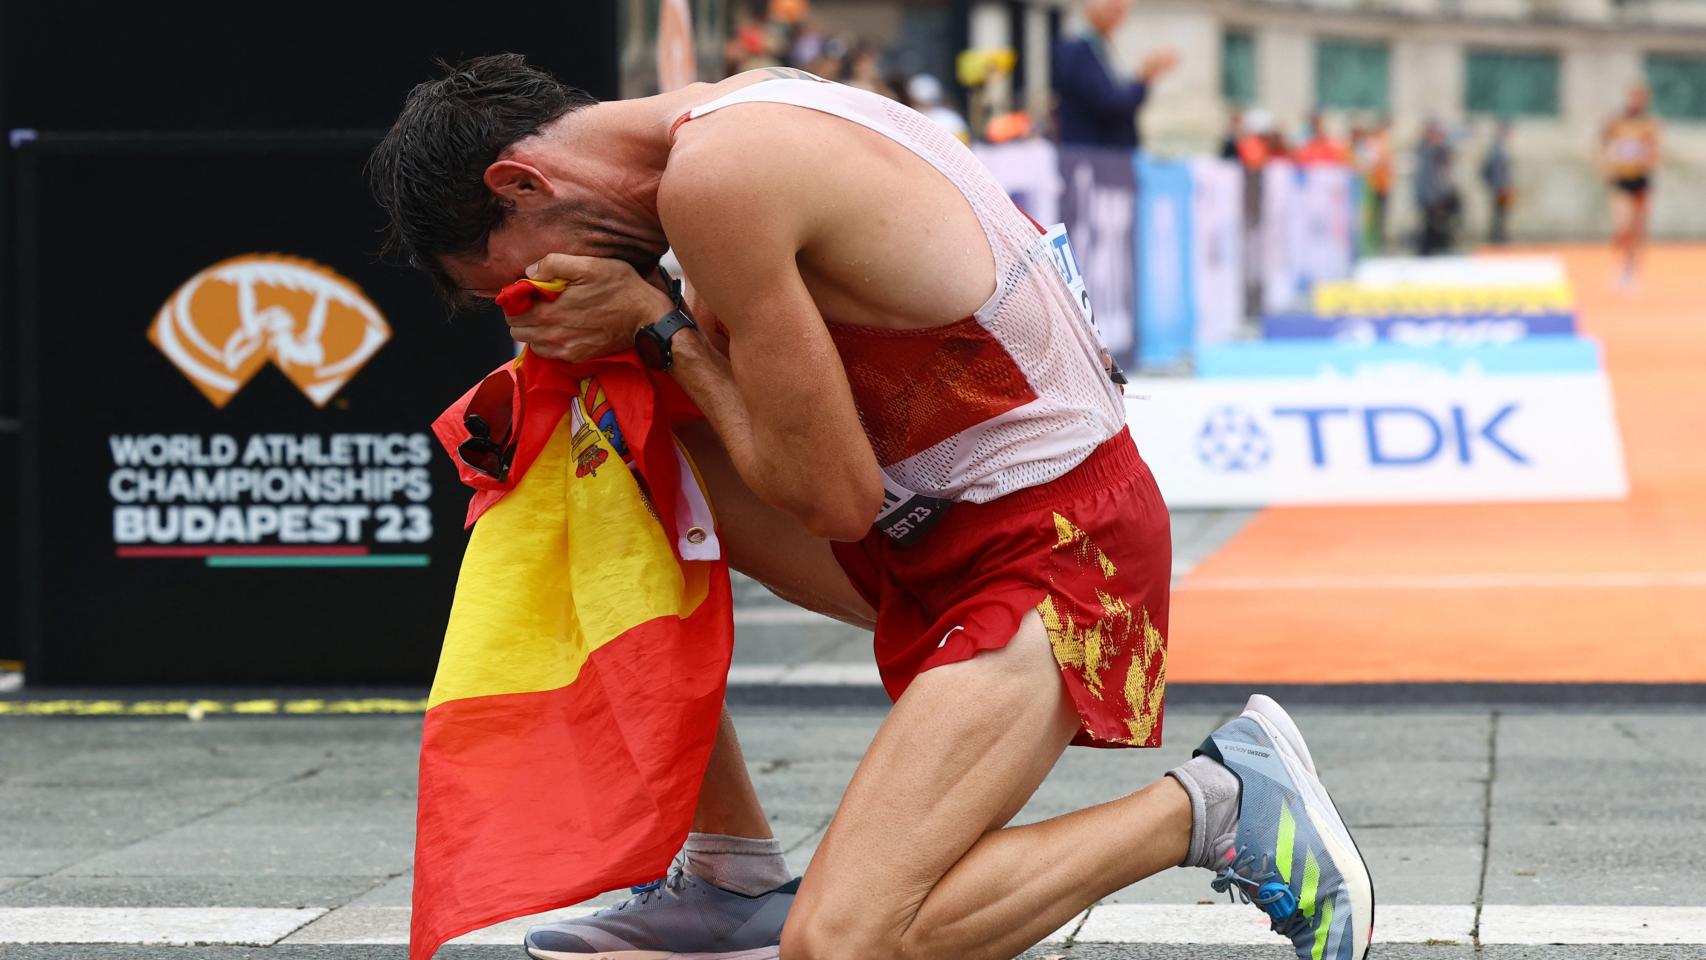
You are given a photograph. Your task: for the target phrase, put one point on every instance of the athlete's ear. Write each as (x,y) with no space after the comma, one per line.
(520,183)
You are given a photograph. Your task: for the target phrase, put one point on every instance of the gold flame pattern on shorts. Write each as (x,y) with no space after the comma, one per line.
(1094,650)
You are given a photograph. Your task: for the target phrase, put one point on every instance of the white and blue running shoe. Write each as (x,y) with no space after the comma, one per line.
(1291,855)
(677,918)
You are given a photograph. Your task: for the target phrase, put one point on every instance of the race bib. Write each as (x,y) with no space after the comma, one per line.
(1058,246)
(1059,249)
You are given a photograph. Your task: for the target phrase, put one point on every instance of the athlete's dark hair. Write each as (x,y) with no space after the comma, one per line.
(429,171)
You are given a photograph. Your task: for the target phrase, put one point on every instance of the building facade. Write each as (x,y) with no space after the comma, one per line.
(1557,69)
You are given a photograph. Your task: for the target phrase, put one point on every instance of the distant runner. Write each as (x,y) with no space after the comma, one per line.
(1629,153)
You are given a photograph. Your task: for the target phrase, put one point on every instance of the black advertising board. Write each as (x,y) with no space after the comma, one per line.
(229,473)
(195,65)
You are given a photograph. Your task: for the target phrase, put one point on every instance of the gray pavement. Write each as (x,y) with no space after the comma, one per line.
(1545,831)
(1458,810)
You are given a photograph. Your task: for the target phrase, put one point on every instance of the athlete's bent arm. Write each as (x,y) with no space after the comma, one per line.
(780,400)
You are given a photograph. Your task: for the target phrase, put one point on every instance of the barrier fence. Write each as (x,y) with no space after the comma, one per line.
(1180,252)
(1319,379)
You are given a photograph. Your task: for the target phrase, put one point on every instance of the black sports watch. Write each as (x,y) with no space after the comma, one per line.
(651,341)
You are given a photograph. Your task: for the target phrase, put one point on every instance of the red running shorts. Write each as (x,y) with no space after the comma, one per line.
(1091,552)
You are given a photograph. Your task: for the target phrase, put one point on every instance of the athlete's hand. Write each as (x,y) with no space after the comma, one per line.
(596,316)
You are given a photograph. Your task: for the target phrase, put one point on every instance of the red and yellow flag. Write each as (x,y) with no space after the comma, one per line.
(583,668)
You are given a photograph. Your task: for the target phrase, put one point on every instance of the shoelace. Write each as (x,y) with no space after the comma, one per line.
(670,884)
(1253,879)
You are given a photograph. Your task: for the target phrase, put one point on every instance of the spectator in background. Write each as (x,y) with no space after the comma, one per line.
(925,94)
(1261,140)
(1234,133)
(865,71)
(1373,153)
(809,42)
(831,60)
(1095,106)
(1496,174)
(789,12)
(1321,148)
(755,44)
(1436,195)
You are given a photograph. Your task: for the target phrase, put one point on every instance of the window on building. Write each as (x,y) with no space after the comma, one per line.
(1678,82)
(1238,67)
(1351,75)
(1511,83)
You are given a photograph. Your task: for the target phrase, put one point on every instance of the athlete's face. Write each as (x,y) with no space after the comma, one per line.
(560,199)
(526,237)
(1636,104)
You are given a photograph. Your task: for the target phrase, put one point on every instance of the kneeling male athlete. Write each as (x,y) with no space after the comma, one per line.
(881,333)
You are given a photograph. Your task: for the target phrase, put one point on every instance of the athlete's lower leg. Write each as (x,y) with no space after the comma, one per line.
(1019,884)
(728,803)
(1637,232)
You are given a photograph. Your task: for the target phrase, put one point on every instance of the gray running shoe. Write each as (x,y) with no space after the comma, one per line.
(677,918)
(1291,854)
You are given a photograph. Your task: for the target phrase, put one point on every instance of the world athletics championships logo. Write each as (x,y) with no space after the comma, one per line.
(1231,441)
(227,321)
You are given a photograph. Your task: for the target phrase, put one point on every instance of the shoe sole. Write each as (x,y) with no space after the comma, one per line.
(762,953)
(1294,754)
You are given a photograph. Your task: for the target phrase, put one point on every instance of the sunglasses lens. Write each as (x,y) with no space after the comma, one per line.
(486,458)
(477,428)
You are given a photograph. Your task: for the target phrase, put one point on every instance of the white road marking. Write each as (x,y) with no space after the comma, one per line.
(756,675)
(174,926)
(1591,925)
(1240,924)
(778,616)
(808,674)
(1604,580)
(1134,923)
(388,925)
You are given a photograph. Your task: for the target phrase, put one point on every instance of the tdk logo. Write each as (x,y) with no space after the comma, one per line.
(1231,440)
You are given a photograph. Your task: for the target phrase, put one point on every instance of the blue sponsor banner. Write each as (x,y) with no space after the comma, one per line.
(1306,358)
(1420,329)
(1166,319)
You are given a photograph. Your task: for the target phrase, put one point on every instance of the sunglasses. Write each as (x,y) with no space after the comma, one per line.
(493,421)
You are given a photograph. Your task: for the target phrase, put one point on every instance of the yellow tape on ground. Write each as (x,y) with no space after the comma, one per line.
(202,708)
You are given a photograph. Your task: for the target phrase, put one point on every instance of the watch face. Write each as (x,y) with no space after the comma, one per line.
(650,348)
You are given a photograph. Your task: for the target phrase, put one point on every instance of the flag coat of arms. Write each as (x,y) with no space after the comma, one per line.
(583,669)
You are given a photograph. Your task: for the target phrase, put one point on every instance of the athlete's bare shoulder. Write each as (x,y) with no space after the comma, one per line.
(772,165)
(751,163)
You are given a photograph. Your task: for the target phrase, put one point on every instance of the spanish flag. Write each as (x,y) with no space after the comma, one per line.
(583,668)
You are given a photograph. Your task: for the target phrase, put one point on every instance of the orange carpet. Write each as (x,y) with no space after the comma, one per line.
(1527,593)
